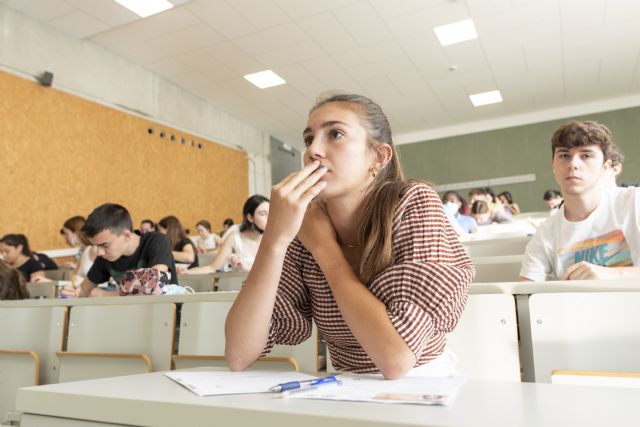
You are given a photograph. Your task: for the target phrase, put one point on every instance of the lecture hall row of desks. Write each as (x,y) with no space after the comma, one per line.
(511,333)
(509,341)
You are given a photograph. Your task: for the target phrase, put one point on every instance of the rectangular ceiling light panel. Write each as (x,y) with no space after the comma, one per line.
(265,79)
(145,8)
(456,32)
(485,98)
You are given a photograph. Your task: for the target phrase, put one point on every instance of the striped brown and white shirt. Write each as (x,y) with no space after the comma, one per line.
(424,291)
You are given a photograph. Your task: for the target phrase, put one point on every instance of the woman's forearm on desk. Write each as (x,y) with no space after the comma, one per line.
(365,315)
(247,325)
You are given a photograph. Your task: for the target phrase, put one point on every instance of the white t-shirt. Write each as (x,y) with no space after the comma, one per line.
(85,262)
(208,243)
(609,237)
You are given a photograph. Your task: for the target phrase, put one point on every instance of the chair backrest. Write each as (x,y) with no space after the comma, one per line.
(59,274)
(198,282)
(37,329)
(597,378)
(267,363)
(17,369)
(495,247)
(202,333)
(205,259)
(505,268)
(124,329)
(486,339)
(42,290)
(230,281)
(597,331)
(29,339)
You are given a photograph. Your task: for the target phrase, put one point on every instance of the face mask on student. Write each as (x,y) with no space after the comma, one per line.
(451,208)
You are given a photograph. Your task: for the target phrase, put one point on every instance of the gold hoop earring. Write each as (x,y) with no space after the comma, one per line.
(373,172)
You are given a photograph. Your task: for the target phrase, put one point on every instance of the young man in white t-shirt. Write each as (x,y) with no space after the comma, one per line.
(596,233)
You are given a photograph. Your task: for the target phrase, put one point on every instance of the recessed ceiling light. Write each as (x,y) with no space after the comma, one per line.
(485,98)
(145,8)
(456,32)
(265,79)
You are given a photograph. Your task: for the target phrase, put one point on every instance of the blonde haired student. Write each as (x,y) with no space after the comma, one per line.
(371,258)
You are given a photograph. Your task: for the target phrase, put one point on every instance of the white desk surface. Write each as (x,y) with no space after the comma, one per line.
(153,399)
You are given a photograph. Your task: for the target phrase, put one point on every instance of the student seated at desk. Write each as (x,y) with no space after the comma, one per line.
(109,227)
(73,235)
(182,248)
(453,198)
(484,215)
(226,225)
(240,247)
(208,242)
(553,199)
(371,258)
(596,232)
(510,206)
(69,232)
(12,284)
(16,253)
(146,226)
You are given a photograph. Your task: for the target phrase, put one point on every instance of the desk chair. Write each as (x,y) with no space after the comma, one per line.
(267,363)
(113,340)
(198,282)
(29,340)
(202,341)
(503,268)
(42,290)
(205,259)
(597,378)
(496,247)
(486,339)
(597,331)
(230,281)
(59,274)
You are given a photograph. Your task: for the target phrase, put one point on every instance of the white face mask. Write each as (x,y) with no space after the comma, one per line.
(451,208)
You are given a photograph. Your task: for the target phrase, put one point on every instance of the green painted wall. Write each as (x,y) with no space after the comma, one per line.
(514,151)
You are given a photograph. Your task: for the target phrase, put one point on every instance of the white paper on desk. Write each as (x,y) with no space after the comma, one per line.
(374,388)
(214,383)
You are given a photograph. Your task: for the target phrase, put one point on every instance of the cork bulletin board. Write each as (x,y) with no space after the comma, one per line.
(62,155)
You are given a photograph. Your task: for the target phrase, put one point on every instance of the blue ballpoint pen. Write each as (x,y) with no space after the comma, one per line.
(294,385)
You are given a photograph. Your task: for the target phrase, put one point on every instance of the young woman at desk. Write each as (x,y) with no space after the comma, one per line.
(182,248)
(16,252)
(240,247)
(371,258)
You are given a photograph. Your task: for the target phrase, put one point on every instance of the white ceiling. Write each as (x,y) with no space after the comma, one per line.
(541,54)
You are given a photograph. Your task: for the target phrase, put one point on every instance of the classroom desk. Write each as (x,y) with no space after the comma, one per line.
(153,399)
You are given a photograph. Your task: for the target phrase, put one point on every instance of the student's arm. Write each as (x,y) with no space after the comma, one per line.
(218,261)
(248,323)
(218,241)
(365,314)
(85,289)
(410,306)
(187,255)
(98,273)
(37,276)
(536,264)
(586,271)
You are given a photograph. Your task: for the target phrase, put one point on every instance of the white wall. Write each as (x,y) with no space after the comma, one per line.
(28,48)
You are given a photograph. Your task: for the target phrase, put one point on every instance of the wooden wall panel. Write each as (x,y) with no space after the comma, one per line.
(61,155)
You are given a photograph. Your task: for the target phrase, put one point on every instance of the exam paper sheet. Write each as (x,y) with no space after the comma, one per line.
(214,383)
(374,388)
